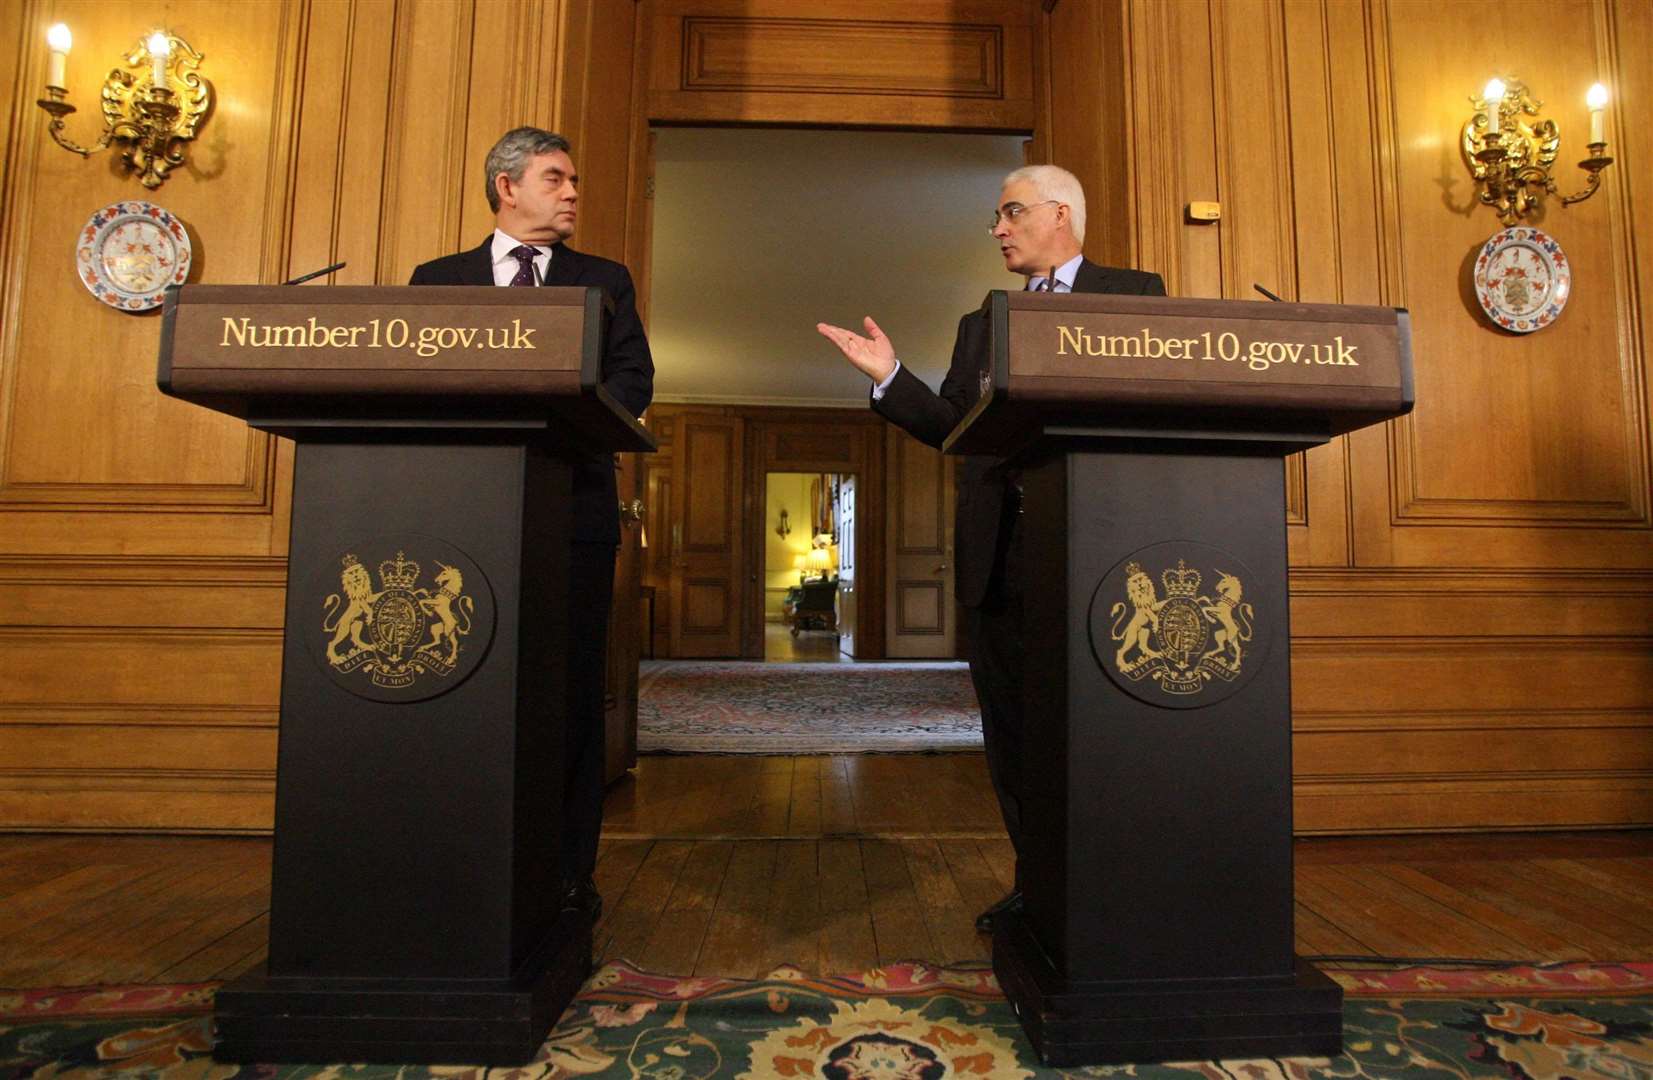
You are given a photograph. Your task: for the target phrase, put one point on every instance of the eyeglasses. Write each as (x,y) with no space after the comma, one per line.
(1014,211)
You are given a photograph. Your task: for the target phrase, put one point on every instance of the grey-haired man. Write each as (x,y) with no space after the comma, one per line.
(1039,225)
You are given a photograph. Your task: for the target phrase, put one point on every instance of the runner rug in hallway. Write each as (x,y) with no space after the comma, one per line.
(1578,1021)
(749,707)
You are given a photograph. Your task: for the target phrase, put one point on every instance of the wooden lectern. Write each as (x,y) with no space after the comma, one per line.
(1157,862)
(414,911)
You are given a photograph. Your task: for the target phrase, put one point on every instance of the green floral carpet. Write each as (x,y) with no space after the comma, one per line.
(901,1022)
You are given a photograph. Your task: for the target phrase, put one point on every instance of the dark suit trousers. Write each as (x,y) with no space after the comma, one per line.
(995,629)
(590,594)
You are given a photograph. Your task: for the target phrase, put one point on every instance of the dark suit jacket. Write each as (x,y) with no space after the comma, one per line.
(628,369)
(982,481)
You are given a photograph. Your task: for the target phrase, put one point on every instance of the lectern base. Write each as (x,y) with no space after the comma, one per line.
(1098,1023)
(263,1019)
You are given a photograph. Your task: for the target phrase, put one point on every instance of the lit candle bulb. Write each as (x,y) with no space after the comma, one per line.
(159,49)
(1494,95)
(1597,100)
(57,64)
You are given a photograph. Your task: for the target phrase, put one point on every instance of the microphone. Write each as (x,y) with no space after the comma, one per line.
(1050,280)
(1266,293)
(302,278)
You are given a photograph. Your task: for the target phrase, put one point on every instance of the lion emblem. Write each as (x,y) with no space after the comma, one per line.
(1138,633)
(358,612)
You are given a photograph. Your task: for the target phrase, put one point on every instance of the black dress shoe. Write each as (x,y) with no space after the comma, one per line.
(1012,902)
(582,896)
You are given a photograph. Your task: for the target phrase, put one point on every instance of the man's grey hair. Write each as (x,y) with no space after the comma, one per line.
(511,153)
(1053,182)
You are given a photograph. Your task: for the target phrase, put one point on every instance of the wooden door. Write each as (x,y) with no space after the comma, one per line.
(921,615)
(706,531)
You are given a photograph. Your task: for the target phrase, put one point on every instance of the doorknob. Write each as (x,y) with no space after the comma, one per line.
(631,512)
(940,568)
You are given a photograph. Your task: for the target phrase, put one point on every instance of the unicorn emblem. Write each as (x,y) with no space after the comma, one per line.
(440,606)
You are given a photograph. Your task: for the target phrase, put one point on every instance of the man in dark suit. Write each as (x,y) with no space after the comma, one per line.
(533,190)
(1039,226)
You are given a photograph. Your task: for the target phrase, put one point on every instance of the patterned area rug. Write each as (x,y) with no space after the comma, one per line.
(1569,1022)
(749,707)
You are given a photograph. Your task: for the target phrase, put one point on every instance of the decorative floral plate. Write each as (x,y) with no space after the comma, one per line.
(129,252)
(1522,279)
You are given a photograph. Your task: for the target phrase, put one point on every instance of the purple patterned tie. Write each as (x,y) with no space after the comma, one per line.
(524,255)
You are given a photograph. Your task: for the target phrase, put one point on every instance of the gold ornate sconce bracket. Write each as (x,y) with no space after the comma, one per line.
(1510,151)
(154,104)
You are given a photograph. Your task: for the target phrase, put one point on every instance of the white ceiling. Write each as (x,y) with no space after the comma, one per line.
(761,233)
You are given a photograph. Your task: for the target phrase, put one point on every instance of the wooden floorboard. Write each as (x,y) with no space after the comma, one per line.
(737,921)
(847,942)
(727,865)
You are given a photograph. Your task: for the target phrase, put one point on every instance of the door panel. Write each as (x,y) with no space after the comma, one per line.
(921,612)
(706,536)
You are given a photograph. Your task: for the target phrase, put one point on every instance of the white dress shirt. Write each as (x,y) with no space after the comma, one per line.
(1064,277)
(1064,283)
(505,264)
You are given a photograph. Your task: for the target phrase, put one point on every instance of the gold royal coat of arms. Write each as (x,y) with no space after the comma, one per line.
(1186,639)
(401,631)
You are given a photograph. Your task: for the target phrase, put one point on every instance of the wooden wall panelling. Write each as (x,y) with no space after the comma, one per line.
(1471,698)
(1211,121)
(1524,450)
(1085,117)
(1322,157)
(425,141)
(1442,692)
(139,537)
(76,392)
(926,63)
(1174,154)
(596,112)
(139,693)
(22,66)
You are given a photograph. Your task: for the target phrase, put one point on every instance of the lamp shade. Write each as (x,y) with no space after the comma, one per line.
(820,559)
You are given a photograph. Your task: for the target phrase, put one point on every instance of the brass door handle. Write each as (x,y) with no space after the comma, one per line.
(631,512)
(940,568)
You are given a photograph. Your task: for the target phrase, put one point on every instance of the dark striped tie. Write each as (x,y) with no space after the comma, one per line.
(524,255)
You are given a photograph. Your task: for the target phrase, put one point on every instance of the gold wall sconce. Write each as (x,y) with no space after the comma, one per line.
(784,528)
(153,104)
(1510,151)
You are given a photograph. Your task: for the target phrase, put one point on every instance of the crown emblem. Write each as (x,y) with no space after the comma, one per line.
(402,573)
(1181,581)
(350,560)
(1132,569)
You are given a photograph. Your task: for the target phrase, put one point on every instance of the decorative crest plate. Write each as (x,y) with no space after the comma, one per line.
(1522,279)
(129,252)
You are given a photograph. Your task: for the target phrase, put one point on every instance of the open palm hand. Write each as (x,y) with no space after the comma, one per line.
(873,355)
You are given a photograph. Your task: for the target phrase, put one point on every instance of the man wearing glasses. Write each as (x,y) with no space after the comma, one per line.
(1039,226)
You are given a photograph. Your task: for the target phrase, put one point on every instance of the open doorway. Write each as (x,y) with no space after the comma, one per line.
(757,235)
(808,580)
